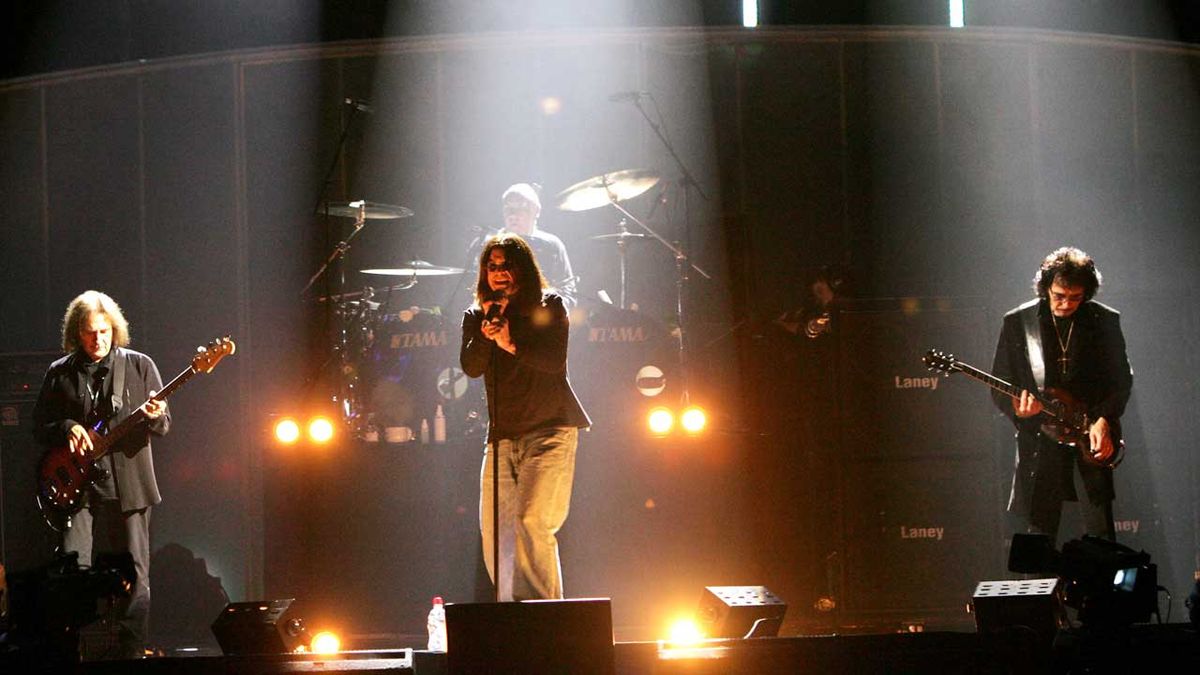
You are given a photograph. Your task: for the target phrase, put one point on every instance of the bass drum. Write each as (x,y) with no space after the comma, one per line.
(412,368)
(622,363)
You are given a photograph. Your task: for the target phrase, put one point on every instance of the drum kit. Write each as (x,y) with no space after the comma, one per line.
(380,354)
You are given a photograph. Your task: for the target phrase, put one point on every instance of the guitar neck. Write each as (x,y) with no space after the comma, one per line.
(106,442)
(994,382)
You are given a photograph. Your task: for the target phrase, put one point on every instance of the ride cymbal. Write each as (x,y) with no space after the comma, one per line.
(606,188)
(415,268)
(373,210)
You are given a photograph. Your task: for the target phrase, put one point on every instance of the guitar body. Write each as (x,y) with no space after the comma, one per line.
(62,478)
(1068,425)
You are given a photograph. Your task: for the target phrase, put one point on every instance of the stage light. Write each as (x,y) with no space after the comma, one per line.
(320,430)
(750,13)
(287,431)
(956,14)
(325,642)
(685,632)
(1110,584)
(660,421)
(693,420)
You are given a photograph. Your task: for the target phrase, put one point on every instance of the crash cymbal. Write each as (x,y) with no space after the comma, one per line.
(416,268)
(606,188)
(619,236)
(374,210)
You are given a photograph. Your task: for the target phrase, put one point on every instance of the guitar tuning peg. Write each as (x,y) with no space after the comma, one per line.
(200,349)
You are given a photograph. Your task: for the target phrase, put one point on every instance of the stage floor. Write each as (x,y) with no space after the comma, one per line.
(1138,648)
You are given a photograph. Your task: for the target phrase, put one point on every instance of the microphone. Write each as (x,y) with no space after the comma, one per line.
(627,96)
(493,312)
(360,105)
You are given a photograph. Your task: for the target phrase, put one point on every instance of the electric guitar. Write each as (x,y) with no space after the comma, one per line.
(64,475)
(1064,417)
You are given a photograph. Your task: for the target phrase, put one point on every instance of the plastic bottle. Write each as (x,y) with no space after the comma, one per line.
(437,626)
(424,431)
(439,425)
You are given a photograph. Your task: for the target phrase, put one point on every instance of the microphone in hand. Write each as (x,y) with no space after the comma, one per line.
(493,312)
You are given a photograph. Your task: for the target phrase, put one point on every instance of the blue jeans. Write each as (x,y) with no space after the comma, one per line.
(536,474)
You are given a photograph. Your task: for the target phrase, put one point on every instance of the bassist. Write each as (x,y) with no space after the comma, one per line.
(96,385)
(1064,341)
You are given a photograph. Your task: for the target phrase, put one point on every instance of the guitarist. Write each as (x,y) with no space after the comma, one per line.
(1064,341)
(101,382)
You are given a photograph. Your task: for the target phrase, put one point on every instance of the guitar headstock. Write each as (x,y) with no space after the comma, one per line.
(940,362)
(207,358)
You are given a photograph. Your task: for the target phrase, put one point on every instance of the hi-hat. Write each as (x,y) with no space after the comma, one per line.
(619,236)
(416,268)
(606,188)
(371,210)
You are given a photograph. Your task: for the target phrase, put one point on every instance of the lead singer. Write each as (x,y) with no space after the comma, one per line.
(515,336)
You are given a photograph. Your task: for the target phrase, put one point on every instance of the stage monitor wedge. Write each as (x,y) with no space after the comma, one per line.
(534,636)
(259,627)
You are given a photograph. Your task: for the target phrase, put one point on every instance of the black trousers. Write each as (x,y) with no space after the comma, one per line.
(103,528)
(1049,494)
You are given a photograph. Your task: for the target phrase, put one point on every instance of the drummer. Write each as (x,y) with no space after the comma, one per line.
(522,206)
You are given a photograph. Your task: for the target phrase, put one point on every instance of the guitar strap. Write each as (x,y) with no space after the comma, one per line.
(1033,343)
(118,383)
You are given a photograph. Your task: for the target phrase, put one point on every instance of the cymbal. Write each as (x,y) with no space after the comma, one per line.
(416,268)
(619,236)
(606,188)
(374,210)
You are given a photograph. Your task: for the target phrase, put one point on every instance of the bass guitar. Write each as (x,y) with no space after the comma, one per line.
(1064,417)
(63,475)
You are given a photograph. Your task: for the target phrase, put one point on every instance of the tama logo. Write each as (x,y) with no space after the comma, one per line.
(935,533)
(432,338)
(1130,526)
(617,334)
(930,383)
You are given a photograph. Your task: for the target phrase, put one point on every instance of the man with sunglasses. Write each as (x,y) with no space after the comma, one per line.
(515,337)
(1065,343)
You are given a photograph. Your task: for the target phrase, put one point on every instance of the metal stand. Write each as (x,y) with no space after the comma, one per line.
(682,262)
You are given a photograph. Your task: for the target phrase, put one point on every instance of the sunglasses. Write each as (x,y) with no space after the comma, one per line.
(499,267)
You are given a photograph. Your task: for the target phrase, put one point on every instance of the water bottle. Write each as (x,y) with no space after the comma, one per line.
(439,425)
(424,431)
(437,626)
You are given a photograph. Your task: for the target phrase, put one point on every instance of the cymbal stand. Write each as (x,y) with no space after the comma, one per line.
(338,254)
(682,263)
(622,230)
(347,379)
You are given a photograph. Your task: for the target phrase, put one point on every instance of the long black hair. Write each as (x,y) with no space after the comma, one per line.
(523,265)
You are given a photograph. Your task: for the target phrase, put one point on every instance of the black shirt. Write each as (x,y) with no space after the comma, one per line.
(529,390)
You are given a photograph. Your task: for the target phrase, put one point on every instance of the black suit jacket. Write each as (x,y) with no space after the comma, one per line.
(60,406)
(1099,376)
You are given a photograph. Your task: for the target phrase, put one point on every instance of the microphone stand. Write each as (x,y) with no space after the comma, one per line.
(682,262)
(494,442)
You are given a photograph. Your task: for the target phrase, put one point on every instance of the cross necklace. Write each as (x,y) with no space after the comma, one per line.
(1063,359)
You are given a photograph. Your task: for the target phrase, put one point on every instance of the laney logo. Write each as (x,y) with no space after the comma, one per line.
(431,338)
(930,383)
(617,334)
(1128,526)
(935,533)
